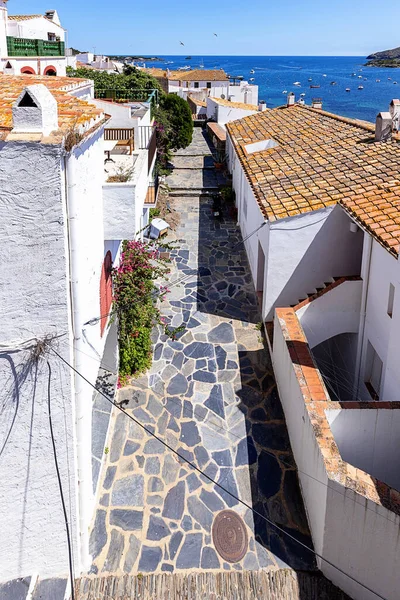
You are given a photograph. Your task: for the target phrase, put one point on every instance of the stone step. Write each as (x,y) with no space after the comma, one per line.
(281,584)
(33,588)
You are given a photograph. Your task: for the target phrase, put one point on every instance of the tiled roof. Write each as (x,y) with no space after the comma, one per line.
(155,72)
(23,17)
(235,104)
(72,111)
(199,75)
(217,130)
(322,159)
(197,101)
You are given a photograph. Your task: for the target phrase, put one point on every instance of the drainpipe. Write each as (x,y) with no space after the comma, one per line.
(364,301)
(83,395)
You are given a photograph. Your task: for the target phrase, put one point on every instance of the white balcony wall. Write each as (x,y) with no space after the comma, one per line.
(34,29)
(123,203)
(333,313)
(369,440)
(357,535)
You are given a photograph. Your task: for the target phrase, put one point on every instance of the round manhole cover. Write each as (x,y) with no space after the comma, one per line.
(230,536)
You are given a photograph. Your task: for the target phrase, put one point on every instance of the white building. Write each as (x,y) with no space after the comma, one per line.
(62,226)
(224,111)
(99,62)
(319,196)
(204,83)
(31,44)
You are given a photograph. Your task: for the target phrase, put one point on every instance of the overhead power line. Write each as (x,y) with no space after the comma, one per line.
(64,508)
(193,466)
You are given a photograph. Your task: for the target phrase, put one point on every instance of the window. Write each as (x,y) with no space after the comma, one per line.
(209,85)
(373,372)
(51,37)
(196,84)
(390,300)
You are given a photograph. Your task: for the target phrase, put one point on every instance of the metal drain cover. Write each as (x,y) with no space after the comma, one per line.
(230,536)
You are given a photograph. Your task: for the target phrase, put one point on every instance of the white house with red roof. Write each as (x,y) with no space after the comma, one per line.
(318,200)
(31,44)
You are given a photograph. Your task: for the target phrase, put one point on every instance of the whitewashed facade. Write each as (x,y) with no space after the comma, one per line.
(31,44)
(61,234)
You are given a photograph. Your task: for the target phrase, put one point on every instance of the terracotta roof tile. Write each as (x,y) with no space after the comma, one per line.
(322,159)
(199,75)
(235,104)
(72,111)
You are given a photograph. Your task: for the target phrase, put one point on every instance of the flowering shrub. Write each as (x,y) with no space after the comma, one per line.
(135,303)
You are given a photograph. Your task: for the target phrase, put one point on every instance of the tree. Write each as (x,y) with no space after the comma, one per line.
(133,79)
(174,126)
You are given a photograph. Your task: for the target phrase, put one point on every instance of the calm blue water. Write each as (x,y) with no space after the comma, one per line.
(273,74)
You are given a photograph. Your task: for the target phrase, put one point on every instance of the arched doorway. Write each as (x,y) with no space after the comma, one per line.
(27,71)
(50,70)
(105,291)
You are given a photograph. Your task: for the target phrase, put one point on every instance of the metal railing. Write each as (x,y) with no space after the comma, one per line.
(28,47)
(131,95)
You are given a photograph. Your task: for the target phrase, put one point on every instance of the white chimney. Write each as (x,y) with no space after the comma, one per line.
(262,106)
(394,110)
(291,99)
(317,103)
(383,127)
(301,101)
(35,111)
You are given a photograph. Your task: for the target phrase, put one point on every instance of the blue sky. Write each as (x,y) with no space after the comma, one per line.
(262,27)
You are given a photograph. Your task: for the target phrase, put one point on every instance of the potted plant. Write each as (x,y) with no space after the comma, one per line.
(219,158)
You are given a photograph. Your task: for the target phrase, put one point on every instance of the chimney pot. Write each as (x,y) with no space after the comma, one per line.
(291,99)
(394,110)
(317,103)
(383,127)
(262,106)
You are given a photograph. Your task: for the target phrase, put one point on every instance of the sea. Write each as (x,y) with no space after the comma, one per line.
(275,76)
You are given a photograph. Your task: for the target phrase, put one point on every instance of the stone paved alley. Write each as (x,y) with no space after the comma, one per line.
(211,395)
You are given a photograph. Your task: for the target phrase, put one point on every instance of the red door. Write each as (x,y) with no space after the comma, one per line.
(105,291)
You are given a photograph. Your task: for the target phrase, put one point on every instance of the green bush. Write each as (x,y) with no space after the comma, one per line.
(174,127)
(135,303)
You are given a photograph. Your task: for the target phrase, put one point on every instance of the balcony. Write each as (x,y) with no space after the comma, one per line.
(132,95)
(28,47)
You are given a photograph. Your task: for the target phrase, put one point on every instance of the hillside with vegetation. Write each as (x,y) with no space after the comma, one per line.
(386,58)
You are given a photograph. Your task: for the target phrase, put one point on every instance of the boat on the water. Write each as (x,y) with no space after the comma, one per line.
(284,92)
(251,79)
(389,79)
(297,83)
(333,83)
(310,79)
(324,75)
(353,74)
(377,80)
(359,76)
(252,71)
(394,82)
(348,90)
(315,86)
(303,94)
(187,68)
(360,87)
(188,58)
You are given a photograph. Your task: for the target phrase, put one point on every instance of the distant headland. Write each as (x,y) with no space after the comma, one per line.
(387,58)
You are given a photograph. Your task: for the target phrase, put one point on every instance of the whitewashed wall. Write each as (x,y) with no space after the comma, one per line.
(33,303)
(380,329)
(357,535)
(34,29)
(225,114)
(333,313)
(367,438)
(18,63)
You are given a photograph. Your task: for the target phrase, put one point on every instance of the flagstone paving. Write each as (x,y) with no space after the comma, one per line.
(211,396)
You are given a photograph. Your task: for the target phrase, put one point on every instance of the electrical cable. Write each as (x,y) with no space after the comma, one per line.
(64,508)
(193,466)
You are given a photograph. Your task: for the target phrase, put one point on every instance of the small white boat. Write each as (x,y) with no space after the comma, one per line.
(252,71)
(348,90)
(394,82)
(303,94)
(333,83)
(284,92)
(377,80)
(324,75)
(251,79)
(360,87)
(297,83)
(353,74)
(359,76)
(310,79)
(389,79)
